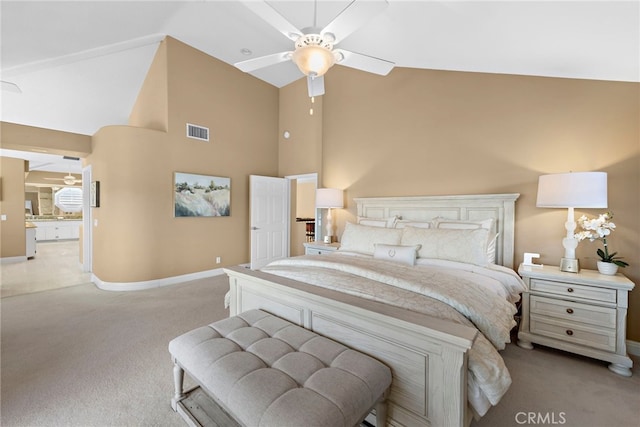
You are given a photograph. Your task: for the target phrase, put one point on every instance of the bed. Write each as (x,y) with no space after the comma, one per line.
(425,284)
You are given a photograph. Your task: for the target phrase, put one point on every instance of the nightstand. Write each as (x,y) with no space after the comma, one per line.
(583,313)
(319,248)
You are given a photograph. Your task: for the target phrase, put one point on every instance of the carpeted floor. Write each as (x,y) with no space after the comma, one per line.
(79,356)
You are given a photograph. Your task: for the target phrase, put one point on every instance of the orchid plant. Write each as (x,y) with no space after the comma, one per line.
(598,229)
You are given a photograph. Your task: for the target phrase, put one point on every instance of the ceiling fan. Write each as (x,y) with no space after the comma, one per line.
(314,51)
(67,179)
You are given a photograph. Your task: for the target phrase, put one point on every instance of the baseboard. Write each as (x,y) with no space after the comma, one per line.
(633,347)
(12,259)
(150,284)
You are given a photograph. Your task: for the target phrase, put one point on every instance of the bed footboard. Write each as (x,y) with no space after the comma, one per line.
(427,356)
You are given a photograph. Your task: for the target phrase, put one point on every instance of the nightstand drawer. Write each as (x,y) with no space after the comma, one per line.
(571,290)
(573,311)
(589,336)
(317,248)
(314,251)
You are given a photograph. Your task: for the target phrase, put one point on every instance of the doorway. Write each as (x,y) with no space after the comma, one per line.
(56,262)
(306,215)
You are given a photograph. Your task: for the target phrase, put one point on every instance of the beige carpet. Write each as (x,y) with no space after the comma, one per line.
(80,356)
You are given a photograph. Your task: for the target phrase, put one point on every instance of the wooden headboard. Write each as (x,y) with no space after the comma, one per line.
(500,207)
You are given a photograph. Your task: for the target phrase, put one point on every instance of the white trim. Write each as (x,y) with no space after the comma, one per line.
(151,284)
(83,55)
(633,347)
(87,221)
(12,259)
(305,177)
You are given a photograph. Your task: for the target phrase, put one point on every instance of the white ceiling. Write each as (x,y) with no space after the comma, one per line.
(79,64)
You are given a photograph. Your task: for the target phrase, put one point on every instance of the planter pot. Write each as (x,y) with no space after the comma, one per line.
(607,268)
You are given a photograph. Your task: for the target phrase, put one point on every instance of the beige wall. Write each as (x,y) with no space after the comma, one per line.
(301,153)
(137,237)
(25,138)
(418,132)
(12,231)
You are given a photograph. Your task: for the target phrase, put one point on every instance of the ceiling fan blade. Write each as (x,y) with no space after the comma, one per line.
(273,18)
(365,63)
(353,17)
(263,61)
(315,85)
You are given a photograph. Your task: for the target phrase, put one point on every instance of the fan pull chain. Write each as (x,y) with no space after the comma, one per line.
(313,100)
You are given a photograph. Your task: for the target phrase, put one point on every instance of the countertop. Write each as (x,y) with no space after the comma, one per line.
(53,218)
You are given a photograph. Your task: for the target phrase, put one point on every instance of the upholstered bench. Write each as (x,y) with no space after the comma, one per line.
(266,371)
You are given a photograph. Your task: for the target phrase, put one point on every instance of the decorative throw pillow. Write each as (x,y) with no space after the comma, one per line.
(362,238)
(378,222)
(468,246)
(463,224)
(418,224)
(397,253)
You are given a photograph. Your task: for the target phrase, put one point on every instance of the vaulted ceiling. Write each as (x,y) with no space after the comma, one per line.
(78,65)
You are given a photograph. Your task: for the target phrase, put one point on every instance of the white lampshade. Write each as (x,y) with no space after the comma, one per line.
(572,190)
(329,198)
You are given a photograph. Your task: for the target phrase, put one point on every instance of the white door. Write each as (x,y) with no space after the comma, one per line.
(269,199)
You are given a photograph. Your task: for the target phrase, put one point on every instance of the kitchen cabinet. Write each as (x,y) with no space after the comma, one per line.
(31,241)
(57,230)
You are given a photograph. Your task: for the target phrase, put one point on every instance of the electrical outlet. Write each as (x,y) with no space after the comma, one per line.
(3,217)
(218,260)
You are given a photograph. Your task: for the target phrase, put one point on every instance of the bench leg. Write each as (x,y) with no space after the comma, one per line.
(178,380)
(381,410)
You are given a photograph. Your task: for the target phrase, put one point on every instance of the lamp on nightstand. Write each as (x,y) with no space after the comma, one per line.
(572,190)
(329,198)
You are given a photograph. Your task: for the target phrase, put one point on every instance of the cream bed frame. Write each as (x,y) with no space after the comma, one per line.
(427,356)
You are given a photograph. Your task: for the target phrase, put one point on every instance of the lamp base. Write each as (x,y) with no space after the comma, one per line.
(569,265)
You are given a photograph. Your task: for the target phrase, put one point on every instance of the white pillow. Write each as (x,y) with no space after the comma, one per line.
(463,224)
(362,238)
(418,224)
(461,245)
(397,253)
(377,222)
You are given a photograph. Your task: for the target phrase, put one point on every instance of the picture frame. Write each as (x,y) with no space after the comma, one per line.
(94,194)
(197,195)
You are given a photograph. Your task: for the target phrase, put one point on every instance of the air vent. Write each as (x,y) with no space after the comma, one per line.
(197,132)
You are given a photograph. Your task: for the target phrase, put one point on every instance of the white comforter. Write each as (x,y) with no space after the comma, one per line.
(471,296)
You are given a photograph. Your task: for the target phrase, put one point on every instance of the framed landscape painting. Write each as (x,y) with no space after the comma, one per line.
(201,195)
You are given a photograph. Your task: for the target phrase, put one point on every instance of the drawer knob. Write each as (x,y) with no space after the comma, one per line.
(570,310)
(569,289)
(569,332)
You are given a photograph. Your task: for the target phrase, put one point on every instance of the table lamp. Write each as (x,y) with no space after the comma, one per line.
(329,198)
(572,190)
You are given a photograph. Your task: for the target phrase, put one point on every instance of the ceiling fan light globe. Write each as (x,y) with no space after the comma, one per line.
(313,59)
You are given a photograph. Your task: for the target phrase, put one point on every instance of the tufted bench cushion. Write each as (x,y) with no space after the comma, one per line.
(266,371)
